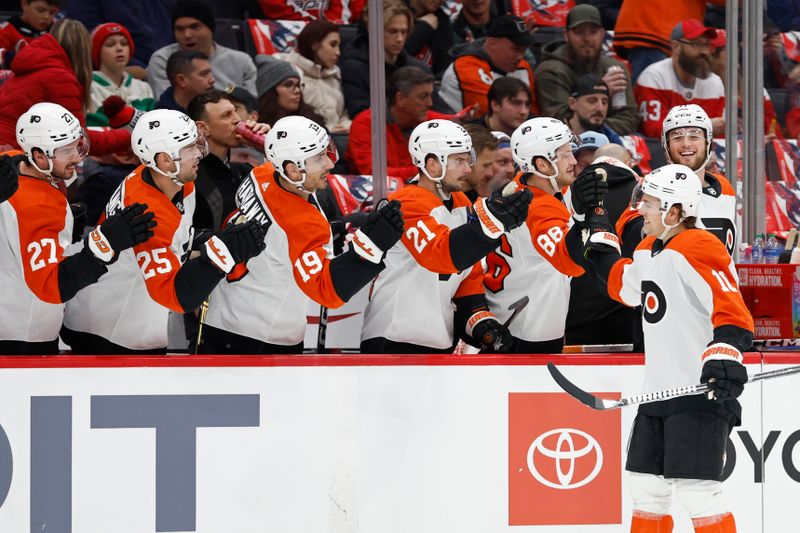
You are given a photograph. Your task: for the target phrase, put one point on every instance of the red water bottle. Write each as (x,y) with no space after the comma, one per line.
(253,138)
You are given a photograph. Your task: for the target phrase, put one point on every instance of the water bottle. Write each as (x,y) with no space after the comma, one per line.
(772,250)
(743,255)
(757,251)
(618,100)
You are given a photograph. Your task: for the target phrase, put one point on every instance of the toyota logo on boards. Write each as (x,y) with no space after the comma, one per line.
(570,446)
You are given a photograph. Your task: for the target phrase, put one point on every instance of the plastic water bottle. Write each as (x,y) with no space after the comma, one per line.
(743,255)
(619,99)
(772,250)
(757,251)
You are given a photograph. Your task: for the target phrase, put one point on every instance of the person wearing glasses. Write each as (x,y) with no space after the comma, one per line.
(280,91)
(684,78)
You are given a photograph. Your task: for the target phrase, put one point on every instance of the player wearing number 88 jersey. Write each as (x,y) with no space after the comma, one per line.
(127,311)
(535,259)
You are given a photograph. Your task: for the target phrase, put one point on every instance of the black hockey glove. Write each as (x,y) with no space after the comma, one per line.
(78,220)
(492,336)
(588,190)
(379,232)
(599,236)
(235,244)
(499,214)
(726,378)
(9,179)
(131,226)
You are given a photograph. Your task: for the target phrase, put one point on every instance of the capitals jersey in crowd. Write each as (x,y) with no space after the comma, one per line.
(715,213)
(658,90)
(268,300)
(687,289)
(36,227)
(411,301)
(130,304)
(533,259)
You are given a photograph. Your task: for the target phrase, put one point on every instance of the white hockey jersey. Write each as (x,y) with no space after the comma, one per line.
(35,229)
(268,298)
(130,304)
(411,301)
(533,260)
(686,289)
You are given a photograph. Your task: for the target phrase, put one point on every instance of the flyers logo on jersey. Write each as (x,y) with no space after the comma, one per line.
(564,461)
(654,303)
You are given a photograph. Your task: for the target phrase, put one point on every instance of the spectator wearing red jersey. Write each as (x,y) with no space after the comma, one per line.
(684,78)
(55,68)
(410,103)
(36,19)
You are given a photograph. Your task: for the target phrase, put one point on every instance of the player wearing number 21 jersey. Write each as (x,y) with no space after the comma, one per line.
(534,259)
(434,272)
(37,272)
(127,311)
(262,308)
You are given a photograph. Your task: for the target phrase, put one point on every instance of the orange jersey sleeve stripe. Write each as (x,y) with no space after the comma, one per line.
(615,280)
(472,284)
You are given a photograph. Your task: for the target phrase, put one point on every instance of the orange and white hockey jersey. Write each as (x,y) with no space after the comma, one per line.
(269,301)
(35,230)
(130,304)
(411,301)
(687,289)
(658,90)
(533,260)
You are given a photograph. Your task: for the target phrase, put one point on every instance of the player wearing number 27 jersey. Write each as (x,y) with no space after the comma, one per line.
(534,259)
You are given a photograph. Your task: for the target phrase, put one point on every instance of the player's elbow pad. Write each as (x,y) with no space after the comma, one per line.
(194,282)
(78,271)
(349,273)
(469,244)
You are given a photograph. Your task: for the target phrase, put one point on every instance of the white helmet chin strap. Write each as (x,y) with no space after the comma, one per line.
(438,181)
(48,172)
(667,227)
(551,177)
(299,183)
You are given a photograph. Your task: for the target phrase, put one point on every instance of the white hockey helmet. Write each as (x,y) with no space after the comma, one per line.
(298,140)
(687,116)
(166,131)
(671,184)
(540,137)
(439,138)
(48,127)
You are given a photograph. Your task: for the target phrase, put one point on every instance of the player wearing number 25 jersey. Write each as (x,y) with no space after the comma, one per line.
(534,259)
(434,273)
(36,272)
(262,308)
(127,311)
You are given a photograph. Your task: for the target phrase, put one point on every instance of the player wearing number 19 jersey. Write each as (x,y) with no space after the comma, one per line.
(534,259)
(262,308)
(127,311)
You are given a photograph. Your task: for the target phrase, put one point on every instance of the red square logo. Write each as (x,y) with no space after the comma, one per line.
(564,465)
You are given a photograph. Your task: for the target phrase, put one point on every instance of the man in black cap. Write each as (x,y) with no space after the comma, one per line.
(467,81)
(588,106)
(193,25)
(563,62)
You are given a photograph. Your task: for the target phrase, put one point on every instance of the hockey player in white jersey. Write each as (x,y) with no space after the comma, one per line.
(127,311)
(695,326)
(432,286)
(36,228)
(687,137)
(298,265)
(538,258)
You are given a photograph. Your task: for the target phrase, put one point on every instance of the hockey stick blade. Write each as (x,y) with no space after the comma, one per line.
(601,405)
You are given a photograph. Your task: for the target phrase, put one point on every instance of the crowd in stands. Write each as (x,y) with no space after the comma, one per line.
(610,70)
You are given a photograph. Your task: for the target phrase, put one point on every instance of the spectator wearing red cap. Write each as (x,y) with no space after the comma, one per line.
(112,48)
(642,32)
(684,78)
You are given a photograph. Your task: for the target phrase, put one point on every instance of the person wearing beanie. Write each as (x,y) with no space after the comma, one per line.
(112,49)
(193,25)
(280,91)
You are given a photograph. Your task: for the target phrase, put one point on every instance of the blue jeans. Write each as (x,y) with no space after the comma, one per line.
(641,58)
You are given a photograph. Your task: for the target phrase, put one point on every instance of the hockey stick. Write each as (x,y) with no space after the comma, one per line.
(322,331)
(464,348)
(601,405)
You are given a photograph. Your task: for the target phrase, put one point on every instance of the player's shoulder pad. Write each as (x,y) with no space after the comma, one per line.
(725,185)
(700,246)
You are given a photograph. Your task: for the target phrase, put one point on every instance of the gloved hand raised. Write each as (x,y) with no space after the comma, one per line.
(235,244)
(379,232)
(504,210)
(131,226)
(589,189)
(726,376)
(120,114)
